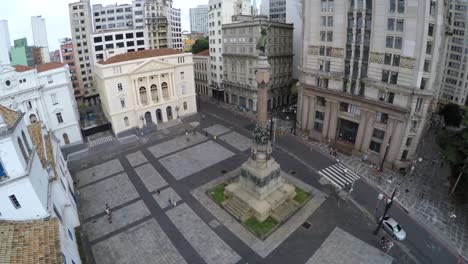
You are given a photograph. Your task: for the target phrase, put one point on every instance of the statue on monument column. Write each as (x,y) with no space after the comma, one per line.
(262,41)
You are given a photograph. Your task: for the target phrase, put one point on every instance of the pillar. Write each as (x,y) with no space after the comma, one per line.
(299,109)
(311,119)
(395,143)
(305,112)
(368,131)
(326,120)
(160,88)
(361,129)
(333,120)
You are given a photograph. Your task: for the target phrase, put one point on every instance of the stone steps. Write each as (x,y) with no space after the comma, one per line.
(236,209)
(284,210)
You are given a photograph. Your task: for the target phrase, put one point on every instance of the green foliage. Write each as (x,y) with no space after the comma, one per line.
(200,45)
(261,135)
(217,194)
(260,228)
(301,195)
(452,114)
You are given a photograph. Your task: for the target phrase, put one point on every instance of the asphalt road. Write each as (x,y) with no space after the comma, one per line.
(420,242)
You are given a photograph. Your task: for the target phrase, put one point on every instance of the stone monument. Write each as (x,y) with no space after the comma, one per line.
(260,190)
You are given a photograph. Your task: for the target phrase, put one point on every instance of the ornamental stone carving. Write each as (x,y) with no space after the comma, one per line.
(376,57)
(337,52)
(407,62)
(313,50)
(260,182)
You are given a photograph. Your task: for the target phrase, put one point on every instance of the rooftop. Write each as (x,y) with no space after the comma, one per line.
(141,54)
(9,116)
(40,67)
(203,53)
(30,242)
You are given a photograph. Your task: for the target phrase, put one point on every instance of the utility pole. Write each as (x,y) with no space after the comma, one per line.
(459,176)
(385,154)
(387,207)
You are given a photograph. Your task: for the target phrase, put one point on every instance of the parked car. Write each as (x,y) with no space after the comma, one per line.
(393,228)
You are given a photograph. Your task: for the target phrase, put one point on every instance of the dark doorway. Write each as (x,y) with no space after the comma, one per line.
(347,131)
(169,113)
(159,116)
(148,118)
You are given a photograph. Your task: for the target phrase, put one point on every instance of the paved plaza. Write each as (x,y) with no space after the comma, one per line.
(161,213)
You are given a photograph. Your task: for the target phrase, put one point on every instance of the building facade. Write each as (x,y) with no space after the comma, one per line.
(126,39)
(199,19)
(35,183)
(43,94)
(369,75)
(146,88)
(67,55)
(221,12)
(5,43)
(81,29)
(240,61)
(112,17)
(21,53)
(201,67)
(454,86)
(163,25)
(39,31)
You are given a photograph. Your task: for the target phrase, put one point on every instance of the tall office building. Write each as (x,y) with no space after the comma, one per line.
(39,31)
(265,8)
(5,43)
(289,12)
(454,86)
(21,53)
(67,55)
(81,29)
(163,25)
(199,19)
(370,75)
(221,12)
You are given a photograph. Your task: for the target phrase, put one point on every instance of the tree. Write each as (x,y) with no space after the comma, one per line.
(454,150)
(452,114)
(200,45)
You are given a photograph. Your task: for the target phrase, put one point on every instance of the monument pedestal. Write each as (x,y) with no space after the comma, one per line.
(260,189)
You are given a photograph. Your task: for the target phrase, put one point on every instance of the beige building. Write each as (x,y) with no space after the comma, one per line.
(370,75)
(240,61)
(201,67)
(146,88)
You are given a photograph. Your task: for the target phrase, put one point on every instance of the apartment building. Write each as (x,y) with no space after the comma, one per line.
(370,75)
(199,19)
(67,55)
(39,31)
(163,25)
(5,43)
(201,69)
(81,29)
(454,86)
(128,40)
(221,12)
(240,61)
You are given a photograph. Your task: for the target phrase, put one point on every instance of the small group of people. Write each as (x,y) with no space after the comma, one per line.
(386,244)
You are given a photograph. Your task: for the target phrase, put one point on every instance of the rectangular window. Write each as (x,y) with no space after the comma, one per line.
(423,83)
(59,118)
(54,99)
(330,21)
(182,75)
(401,6)
(409,141)
(398,43)
(330,36)
(427,64)
(388,59)
(394,77)
(389,42)
(377,133)
(392,6)
(429,48)
(319,115)
(400,25)
(391,24)
(375,146)
(14,201)
(119,87)
(318,126)
(404,155)
(385,76)
(430,30)
(57,213)
(396,60)
(122,102)
(323,21)
(322,35)
(390,98)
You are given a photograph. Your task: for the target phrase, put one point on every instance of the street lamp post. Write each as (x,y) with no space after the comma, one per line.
(387,207)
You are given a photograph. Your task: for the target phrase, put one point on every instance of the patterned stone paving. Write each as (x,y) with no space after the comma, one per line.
(98,172)
(150,177)
(237,140)
(176,144)
(163,198)
(136,158)
(216,130)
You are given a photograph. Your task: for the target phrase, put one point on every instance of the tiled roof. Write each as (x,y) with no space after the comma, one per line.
(35,242)
(48,66)
(141,54)
(35,132)
(22,68)
(203,53)
(50,152)
(9,116)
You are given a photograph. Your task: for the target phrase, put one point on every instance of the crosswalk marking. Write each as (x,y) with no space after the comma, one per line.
(100,141)
(336,175)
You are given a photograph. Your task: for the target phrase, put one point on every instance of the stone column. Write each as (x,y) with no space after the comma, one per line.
(159,88)
(333,120)
(368,131)
(137,93)
(299,109)
(305,112)
(311,120)
(262,77)
(326,120)
(395,142)
(361,129)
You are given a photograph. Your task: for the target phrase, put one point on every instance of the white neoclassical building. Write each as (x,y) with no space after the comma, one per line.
(147,87)
(44,94)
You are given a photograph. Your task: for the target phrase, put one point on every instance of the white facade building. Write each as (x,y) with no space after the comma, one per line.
(144,88)
(44,94)
(35,183)
(39,31)
(199,19)
(112,17)
(106,41)
(454,86)
(221,12)
(5,43)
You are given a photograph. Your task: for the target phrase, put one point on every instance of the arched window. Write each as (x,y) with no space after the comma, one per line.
(143,97)
(32,118)
(169,113)
(66,140)
(154,93)
(23,151)
(185,105)
(126,122)
(165,91)
(25,141)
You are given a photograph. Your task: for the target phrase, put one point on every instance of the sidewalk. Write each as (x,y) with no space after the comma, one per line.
(424,194)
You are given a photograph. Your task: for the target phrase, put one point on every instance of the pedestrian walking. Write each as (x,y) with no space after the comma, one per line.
(109,213)
(158,192)
(170,201)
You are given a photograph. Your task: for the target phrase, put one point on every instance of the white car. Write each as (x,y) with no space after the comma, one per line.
(393,228)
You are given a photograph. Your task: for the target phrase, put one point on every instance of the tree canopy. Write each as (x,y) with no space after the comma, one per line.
(452,114)
(200,45)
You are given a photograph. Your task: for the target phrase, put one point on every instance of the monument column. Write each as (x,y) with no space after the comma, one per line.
(262,77)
